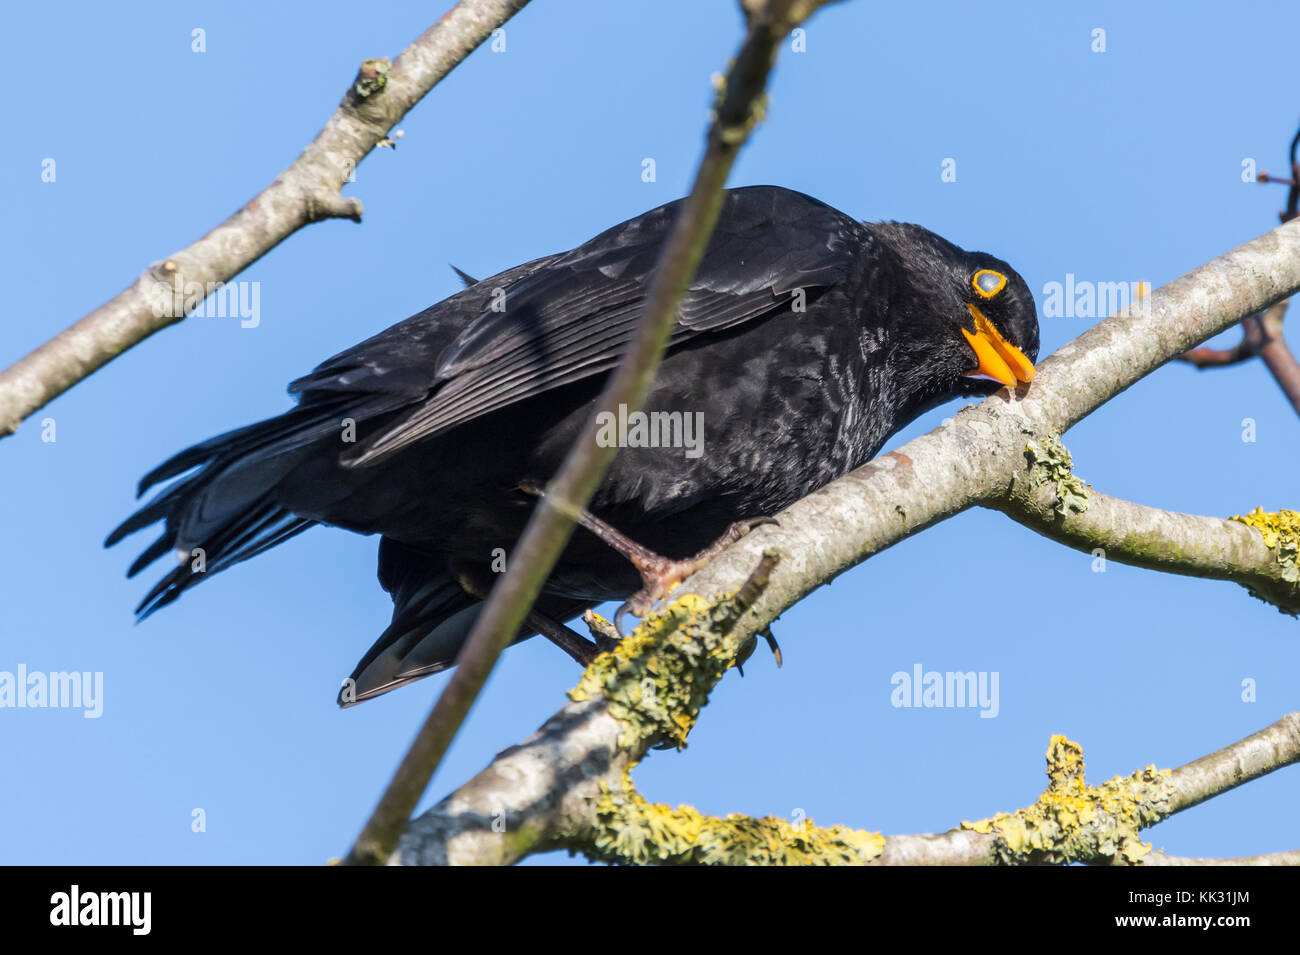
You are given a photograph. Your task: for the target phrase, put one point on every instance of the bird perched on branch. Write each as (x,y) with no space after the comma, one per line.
(805,340)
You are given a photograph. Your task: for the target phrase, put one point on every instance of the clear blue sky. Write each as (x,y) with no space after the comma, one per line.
(1112,166)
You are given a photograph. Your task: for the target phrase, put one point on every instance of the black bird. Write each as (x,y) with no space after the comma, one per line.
(804,341)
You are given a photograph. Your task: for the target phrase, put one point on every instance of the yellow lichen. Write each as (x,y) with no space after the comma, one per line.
(1281,533)
(630,830)
(657,679)
(1075,822)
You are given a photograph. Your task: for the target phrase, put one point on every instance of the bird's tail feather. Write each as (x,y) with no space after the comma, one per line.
(225,511)
(432,617)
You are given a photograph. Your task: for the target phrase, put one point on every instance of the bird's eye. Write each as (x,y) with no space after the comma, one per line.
(988,283)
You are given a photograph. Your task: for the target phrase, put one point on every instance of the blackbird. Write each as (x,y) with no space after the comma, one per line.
(805,340)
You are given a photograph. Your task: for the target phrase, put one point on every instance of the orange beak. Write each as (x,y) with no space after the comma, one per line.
(998,358)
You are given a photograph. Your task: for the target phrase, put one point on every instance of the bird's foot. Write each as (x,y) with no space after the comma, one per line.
(659,574)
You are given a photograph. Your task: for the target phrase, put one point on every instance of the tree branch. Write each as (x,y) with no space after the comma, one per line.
(306,192)
(1258,755)
(1168,541)
(1261,333)
(568,786)
(1273,858)
(647,691)
(1277,355)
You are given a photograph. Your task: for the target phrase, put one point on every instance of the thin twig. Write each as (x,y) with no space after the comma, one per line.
(1277,355)
(1251,338)
(1262,332)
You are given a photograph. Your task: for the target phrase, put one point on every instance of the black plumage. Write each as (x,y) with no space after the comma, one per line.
(805,340)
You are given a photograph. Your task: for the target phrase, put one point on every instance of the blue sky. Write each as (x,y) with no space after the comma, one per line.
(1115,166)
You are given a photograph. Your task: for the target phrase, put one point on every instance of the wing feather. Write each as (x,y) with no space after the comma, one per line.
(574,315)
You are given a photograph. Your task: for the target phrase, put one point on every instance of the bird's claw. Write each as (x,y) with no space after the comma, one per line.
(619,615)
(661,574)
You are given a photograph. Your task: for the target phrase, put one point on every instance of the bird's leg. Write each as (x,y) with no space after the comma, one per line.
(572,643)
(659,574)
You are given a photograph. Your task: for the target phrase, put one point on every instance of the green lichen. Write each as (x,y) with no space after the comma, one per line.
(1075,822)
(630,830)
(1281,533)
(655,683)
(372,77)
(1050,463)
(658,678)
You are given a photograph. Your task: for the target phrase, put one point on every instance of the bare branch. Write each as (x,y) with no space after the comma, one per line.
(1277,355)
(1261,335)
(1273,858)
(1268,750)
(306,192)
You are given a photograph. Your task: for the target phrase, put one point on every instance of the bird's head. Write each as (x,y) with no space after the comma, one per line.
(968,320)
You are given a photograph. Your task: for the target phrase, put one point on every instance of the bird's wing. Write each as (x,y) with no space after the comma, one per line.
(573,315)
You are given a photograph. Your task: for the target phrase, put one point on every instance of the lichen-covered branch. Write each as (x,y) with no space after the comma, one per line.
(543,794)
(1070,822)
(306,192)
(1075,822)
(1258,551)
(569,785)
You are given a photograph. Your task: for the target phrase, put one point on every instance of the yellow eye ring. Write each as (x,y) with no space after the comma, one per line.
(983,287)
